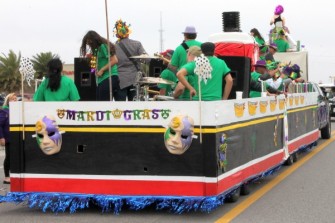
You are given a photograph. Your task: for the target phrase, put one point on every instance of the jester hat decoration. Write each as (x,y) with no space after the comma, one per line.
(121,29)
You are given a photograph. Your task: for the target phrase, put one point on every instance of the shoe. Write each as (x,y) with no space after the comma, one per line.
(6,182)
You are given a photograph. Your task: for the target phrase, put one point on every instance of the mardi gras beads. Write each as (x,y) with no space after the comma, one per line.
(93,62)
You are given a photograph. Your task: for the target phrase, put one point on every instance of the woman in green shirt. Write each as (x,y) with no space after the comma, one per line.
(102,64)
(260,41)
(56,87)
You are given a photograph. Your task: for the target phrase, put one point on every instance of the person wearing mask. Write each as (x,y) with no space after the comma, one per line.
(56,87)
(104,65)
(128,69)
(4,134)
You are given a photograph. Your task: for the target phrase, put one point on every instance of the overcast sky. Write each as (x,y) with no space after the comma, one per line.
(35,26)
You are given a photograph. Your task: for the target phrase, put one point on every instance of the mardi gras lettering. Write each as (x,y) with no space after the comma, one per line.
(108,115)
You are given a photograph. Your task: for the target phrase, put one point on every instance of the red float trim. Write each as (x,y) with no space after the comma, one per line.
(303,140)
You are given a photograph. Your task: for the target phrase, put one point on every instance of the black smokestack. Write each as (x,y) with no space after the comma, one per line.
(231,21)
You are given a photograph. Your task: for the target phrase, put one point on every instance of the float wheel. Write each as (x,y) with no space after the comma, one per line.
(289,161)
(233,197)
(326,131)
(295,157)
(245,189)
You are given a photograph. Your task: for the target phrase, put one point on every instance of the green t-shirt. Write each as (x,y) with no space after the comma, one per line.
(67,91)
(186,94)
(255,94)
(282,45)
(213,89)
(170,76)
(261,44)
(179,57)
(103,59)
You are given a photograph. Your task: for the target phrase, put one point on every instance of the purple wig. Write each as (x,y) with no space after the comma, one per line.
(279,10)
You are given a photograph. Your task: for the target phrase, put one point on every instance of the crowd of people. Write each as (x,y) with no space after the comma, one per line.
(117,73)
(273,76)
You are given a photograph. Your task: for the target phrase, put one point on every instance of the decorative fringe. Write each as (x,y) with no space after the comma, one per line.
(60,202)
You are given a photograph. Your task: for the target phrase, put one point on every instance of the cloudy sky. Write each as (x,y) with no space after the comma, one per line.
(35,26)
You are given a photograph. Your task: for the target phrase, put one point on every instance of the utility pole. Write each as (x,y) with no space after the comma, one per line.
(161,44)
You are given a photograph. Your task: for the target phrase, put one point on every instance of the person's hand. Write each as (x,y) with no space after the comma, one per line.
(282,75)
(99,73)
(192,93)
(272,73)
(2,141)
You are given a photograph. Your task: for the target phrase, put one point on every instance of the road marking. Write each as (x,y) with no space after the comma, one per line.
(233,213)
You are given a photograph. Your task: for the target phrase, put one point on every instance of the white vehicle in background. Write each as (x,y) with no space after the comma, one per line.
(329,92)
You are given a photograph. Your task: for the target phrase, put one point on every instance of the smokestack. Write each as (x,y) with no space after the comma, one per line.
(231,21)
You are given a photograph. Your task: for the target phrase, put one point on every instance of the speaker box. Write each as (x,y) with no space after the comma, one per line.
(240,71)
(84,79)
(156,67)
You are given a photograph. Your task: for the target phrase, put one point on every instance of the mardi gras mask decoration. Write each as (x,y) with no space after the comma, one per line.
(48,136)
(178,137)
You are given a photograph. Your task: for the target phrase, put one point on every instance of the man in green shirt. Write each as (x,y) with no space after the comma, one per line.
(180,91)
(167,89)
(282,44)
(179,57)
(208,72)
(260,69)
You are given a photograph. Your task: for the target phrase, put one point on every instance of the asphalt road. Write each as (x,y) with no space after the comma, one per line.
(306,195)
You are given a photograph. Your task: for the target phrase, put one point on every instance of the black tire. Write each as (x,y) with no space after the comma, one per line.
(295,157)
(289,161)
(245,189)
(326,131)
(233,197)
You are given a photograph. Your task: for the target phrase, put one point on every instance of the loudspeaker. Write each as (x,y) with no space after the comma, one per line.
(84,79)
(155,68)
(240,71)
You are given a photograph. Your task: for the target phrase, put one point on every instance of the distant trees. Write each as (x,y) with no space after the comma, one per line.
(40,62)
(10,76)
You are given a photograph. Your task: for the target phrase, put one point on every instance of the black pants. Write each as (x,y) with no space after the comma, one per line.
(6,162)
(103,93)
(127,92)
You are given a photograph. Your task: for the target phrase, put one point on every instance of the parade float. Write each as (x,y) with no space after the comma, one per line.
(175,155)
